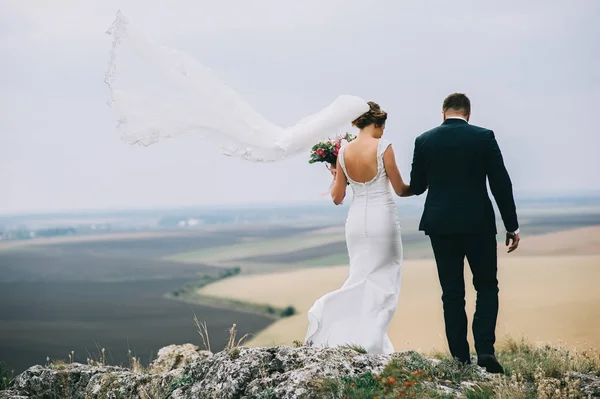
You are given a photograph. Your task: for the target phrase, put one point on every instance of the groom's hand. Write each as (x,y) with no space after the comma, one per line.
(512,241)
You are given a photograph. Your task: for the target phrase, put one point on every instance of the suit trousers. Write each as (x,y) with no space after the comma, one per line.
(480,250)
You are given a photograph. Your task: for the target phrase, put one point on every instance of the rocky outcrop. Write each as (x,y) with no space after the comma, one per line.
(241,373)
(173,359)
(186,372)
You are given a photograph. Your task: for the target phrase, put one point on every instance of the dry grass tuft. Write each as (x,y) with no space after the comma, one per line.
(231,343)
(203,331)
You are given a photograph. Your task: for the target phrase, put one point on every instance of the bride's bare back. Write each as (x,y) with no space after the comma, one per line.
(360,158)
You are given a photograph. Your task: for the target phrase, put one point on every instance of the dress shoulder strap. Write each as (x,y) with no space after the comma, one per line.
(342,161)
(382,146)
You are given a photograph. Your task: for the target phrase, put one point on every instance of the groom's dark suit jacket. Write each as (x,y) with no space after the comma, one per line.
(453,161)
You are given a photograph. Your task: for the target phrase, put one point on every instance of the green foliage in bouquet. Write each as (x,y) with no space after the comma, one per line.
(327,151)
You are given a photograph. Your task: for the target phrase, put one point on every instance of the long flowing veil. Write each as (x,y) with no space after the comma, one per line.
(159,92)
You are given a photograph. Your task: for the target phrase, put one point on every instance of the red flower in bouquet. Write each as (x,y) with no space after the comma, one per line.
(336,150)
(328,150)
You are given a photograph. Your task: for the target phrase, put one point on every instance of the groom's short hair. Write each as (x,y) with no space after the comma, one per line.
(457,102)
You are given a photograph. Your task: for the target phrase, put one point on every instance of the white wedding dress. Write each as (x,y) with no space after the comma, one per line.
(360,312)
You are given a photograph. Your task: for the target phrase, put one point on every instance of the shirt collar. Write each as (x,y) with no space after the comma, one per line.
(456,117)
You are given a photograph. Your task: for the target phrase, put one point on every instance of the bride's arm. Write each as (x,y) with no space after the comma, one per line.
(338,191)
(389,162)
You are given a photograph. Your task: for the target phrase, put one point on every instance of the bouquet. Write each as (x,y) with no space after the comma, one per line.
(327,151)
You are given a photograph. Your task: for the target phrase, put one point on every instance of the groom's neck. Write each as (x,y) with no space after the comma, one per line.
(456,116)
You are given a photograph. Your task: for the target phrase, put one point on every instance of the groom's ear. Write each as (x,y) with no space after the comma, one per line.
(468,116)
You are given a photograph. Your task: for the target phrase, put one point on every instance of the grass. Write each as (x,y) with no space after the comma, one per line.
(356,348)
(6,376)
(531,372)
(233,344)
(404,377)
(267,394)
(202,329)
(180,382)
(530,362)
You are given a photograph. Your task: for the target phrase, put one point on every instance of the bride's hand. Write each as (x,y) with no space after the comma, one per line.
(338,186)
(333,171)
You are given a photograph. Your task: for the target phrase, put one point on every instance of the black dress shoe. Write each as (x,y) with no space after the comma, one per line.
(490,364)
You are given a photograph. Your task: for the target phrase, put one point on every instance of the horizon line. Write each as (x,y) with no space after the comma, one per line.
(268,204)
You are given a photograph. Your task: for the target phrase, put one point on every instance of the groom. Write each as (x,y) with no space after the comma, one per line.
(453,162)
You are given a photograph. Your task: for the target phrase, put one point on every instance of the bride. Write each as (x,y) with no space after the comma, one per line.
(158,92)
(360,312)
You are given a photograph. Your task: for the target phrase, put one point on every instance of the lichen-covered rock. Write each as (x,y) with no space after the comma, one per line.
(176,357)
(185,372)
(12,394)
(86,382)
(589,385)
(300,372)
(284,371)
(65,380)
(129,385)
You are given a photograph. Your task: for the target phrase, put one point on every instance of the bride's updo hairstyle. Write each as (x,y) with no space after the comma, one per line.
(375,116)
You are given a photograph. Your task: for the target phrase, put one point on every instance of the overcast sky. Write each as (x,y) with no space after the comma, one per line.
(531,68)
